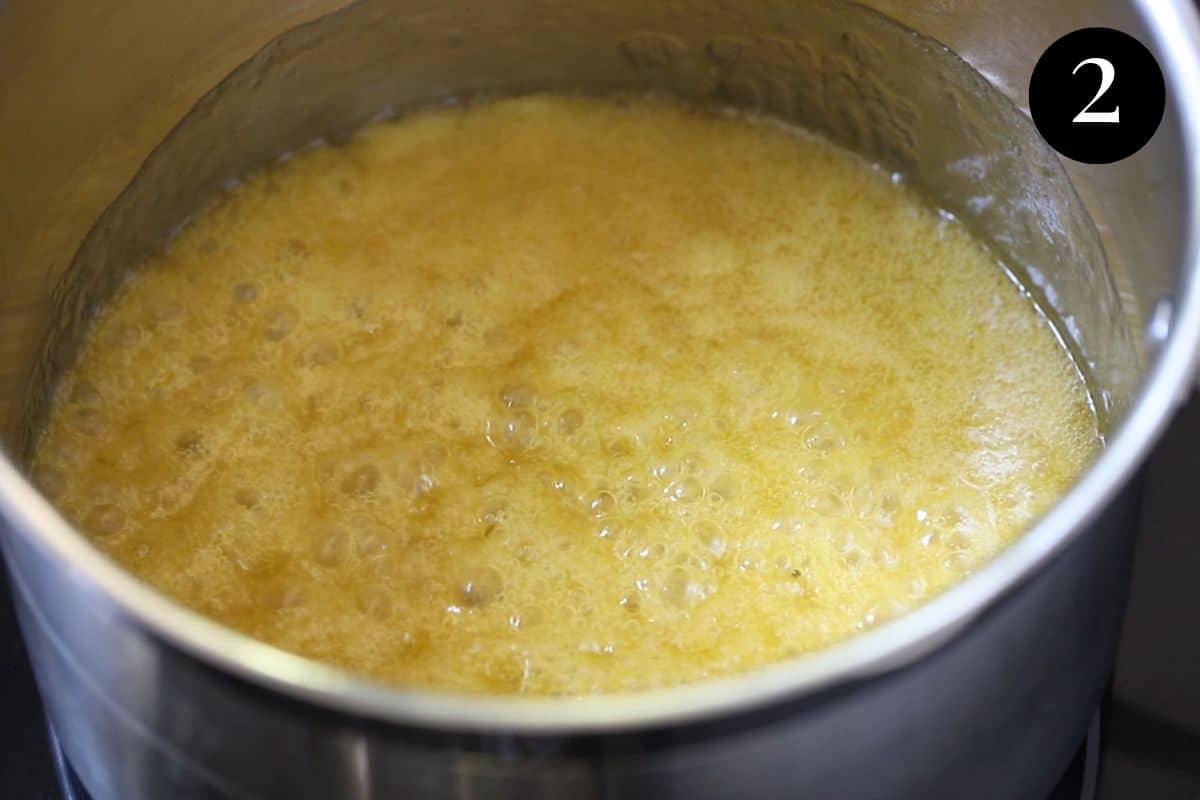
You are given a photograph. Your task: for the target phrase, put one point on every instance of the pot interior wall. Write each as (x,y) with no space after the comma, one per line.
(900,99)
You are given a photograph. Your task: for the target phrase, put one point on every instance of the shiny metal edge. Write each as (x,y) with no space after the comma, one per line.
(1175,27)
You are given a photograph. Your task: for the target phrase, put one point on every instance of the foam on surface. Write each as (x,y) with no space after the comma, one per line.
(561,395)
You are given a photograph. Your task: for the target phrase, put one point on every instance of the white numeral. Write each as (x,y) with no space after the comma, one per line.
(1107,73)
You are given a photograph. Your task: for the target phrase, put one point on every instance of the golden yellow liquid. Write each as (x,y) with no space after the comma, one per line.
(560,395)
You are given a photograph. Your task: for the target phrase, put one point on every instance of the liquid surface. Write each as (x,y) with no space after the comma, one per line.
(557,396)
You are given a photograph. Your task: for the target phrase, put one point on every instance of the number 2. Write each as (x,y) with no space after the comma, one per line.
(1107,73)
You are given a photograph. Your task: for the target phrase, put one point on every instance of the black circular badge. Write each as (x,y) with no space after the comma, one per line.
(1097,95)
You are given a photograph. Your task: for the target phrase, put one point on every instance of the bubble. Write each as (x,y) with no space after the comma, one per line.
(570,421)
(262,394)
(610,530)
(106,520)
(279,322)
(371,543)
(711,537)
(200,364)
(724,487)
(514,431)
(292,596)
(189,443)
(361,481)
(853,557)
(696,464)
(827,505)
(824,437)
(423,484)
(482,586)
(51,481)
(680,591)
(602,504)
(492,518)
(164,313)
(887,558)
(85,393)
(862,500)
(91,422)
(630,603)
(122,335)
(330,547)
(375,603)
(623,443)
(652,551)
(518,396)
(434,455)
(958,561)
(684,490)
(318,354)
(247,498)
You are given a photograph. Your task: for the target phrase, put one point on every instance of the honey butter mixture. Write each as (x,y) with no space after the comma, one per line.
(560,395)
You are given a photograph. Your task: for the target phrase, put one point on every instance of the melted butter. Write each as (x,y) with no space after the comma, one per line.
(555,395)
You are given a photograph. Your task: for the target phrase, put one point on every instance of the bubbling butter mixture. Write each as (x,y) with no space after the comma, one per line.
(560,395)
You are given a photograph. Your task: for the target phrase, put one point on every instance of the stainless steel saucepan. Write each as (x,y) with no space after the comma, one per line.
(119,118)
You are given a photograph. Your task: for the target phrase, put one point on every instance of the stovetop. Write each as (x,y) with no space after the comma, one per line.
(1144,744)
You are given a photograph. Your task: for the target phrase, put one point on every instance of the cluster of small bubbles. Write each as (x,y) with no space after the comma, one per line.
(279,322)
(725,487)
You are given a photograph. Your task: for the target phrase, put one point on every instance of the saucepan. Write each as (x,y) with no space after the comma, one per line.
(119,119)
